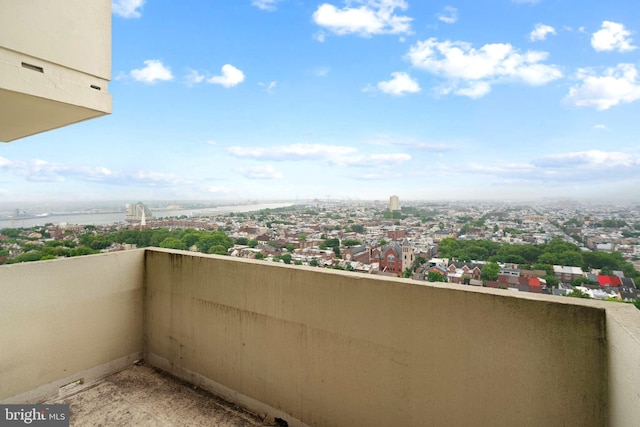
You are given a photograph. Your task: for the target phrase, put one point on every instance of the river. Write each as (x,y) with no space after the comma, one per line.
(115,217)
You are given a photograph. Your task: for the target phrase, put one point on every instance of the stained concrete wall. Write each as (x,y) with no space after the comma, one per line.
(623,342)
(339,349)
(66,320)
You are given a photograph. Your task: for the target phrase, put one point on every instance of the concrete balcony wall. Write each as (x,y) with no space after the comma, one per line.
(65,320)
(338,349)
(319,347)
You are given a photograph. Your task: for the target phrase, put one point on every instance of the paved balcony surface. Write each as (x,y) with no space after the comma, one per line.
(144,396)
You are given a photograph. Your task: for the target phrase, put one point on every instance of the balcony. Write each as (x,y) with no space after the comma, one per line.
(55,64)
(319,347)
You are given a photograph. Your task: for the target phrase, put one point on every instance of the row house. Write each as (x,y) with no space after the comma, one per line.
(464,269)
(357,254)
(567,274)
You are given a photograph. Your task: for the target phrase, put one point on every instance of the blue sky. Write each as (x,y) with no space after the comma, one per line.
(291,99)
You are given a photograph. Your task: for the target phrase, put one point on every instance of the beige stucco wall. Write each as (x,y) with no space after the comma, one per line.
(73,33)
(339,349)
(623,337)
(55,64)
(66,319)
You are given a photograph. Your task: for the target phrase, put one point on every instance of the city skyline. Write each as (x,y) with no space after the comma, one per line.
(281,99)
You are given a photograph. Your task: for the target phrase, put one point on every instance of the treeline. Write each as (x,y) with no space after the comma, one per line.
(92,242)
(556,252)
(215,242)
(49,250)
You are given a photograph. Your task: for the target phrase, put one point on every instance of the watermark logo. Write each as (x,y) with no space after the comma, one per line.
(34,415)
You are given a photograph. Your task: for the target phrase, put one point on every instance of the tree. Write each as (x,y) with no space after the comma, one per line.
(578,281)
(490,271)
(10,232)
(434,276)
(577,293)
(552,281)
(173,243)
(218,250)
(290,247)
(332,243)
(259,255)
(447,246)
(357,228)
(313,262)
(351,242)
(241,241)
(407,273)
(286,258)
(217,238)
(418,262)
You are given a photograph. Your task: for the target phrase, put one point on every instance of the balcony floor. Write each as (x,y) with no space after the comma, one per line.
(144,396)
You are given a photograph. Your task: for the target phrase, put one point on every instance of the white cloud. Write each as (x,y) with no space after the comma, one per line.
(194,77)
(153,179)
(293,152)
(38,170)
(218,189)
(588,159)
(319,36)
(269,87)
(400,84)
(45,171)
(412,144)
(471,72)
(369,18)
(127,8)
(601,127)
(617,85)
(377,160)
(269,5)
(231,76)
(321,71)
(211,142)
(261,172)
(612,36)
(540,32)
(582,166)
(153,71)
(333,154)
(449,15)
(525,1)
(508,168)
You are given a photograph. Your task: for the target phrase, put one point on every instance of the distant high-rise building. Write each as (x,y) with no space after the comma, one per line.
(394,203)
(138,213)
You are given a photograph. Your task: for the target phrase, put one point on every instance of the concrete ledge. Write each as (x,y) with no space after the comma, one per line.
(86,378)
